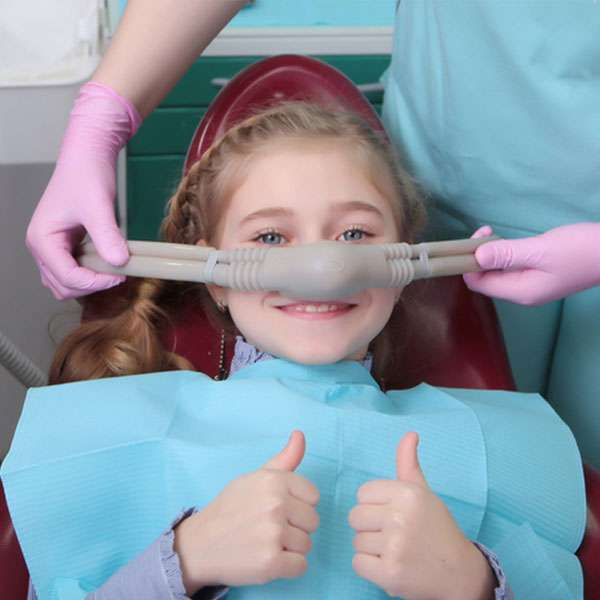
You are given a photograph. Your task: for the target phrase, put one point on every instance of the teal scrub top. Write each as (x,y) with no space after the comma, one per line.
(496,107)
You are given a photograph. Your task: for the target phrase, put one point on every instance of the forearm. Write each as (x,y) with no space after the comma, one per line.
(155,44)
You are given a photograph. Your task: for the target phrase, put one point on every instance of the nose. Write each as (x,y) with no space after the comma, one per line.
(312,236)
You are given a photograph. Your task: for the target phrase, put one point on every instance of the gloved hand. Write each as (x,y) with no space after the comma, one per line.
(541,268)
(81,192)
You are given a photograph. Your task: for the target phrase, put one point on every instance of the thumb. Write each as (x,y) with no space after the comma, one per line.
(509,254)
(407,461)
(483,231)
(107,237)
(291,456)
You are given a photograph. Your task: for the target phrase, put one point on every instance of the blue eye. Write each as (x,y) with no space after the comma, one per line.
(354,235)
(269,237)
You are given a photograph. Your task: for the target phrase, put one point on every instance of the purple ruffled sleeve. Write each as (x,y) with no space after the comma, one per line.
(502,591)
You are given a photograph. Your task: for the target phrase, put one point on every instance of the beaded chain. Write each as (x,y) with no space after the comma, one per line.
(222,374)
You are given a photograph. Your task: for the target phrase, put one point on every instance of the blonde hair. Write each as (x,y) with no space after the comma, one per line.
(124,336)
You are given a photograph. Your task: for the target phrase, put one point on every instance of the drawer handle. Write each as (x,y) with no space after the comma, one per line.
(365,88)
(219,81)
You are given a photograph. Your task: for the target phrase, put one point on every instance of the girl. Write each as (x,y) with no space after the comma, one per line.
(125,452)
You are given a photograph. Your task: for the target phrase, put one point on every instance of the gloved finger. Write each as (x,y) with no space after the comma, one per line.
(44,277)
(91,282)
(483,231)
(522,287)
(48,280)
(472,280)
(58,291)
(106,236)
(510,254)
(67,279)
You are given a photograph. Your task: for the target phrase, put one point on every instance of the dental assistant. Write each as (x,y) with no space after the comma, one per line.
(496,107)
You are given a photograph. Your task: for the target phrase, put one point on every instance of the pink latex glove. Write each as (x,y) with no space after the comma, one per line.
(541,268)
(81,192)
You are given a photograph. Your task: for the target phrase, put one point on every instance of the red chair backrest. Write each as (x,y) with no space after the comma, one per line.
(14,577)
(269,81)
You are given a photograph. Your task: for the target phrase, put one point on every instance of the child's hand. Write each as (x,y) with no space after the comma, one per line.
(407,541)
(256,530)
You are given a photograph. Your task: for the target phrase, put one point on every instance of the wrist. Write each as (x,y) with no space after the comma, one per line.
(100,123)
(185,544)
(478,580)
(180,545)
(98,88)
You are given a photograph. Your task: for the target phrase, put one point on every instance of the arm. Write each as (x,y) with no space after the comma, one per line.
(154,45)
(155,574)
(164,41)
(224,544)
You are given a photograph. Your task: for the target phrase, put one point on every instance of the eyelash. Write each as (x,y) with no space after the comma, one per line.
(272,231)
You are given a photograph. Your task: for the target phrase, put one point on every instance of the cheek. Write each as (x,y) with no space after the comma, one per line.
(243,308)
(383,301)
(240,301)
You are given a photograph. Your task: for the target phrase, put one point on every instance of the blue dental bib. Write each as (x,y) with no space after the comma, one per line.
(98,469)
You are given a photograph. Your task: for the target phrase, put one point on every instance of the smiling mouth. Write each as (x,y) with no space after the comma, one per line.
(316,310)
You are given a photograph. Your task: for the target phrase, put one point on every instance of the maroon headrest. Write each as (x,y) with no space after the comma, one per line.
(272,80)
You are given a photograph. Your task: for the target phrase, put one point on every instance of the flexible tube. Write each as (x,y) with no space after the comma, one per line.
(19,365)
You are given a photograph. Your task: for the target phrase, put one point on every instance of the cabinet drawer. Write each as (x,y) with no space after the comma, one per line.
(166,131)
(151,181)
(170,131)
(195,88)
(170,128)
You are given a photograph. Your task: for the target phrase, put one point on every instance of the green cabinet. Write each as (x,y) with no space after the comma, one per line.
(156,154)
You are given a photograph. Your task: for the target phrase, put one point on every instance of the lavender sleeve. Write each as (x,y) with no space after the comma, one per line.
(502,591)
(153,575)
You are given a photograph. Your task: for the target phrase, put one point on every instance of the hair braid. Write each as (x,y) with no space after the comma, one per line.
(122,344)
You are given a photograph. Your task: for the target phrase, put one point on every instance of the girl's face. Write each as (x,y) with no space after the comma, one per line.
(300,193)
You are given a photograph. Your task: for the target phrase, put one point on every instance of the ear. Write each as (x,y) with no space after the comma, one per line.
(217,293)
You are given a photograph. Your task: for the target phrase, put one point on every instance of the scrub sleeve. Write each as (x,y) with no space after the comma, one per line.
(495,107)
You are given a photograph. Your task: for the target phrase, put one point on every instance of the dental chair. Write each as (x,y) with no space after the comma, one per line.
(454,340)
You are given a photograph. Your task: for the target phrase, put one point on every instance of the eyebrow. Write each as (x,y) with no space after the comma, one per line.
(340,207)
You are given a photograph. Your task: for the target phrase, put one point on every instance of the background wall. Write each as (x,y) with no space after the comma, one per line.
(308,13)
(26,307)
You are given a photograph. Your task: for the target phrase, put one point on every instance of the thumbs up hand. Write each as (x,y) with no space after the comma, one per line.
(256,530)
(407,541)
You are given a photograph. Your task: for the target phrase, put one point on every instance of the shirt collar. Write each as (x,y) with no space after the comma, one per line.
(249,362)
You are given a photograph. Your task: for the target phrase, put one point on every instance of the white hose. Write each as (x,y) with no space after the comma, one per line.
(19,365)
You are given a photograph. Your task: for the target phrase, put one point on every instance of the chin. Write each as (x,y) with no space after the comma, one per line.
(316,356)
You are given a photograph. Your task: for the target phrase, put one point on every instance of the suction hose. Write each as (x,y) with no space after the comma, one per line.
(19,365)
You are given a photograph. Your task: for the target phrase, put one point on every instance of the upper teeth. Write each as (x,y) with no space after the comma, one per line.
(316,307)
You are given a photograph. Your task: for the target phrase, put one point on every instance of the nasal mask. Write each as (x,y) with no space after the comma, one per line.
(325,270)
